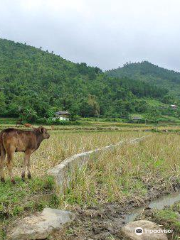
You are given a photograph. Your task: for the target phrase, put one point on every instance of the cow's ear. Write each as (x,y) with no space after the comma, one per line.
(41,129)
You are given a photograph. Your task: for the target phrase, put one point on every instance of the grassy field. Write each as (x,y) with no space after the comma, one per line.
(120,180)
(33,195)
(65,144)
(128,172)
(25,198)
(102,125)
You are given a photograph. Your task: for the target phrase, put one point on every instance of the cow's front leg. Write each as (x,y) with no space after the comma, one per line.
(26,164)
(24,169)
(28,168)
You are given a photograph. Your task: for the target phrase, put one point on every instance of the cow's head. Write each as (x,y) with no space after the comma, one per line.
(44,132)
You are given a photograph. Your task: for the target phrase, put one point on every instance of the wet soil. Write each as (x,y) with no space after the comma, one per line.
(104,222)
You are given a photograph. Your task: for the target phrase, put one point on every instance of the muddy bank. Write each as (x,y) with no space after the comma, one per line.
(167,216)
(157,204)
(104,222)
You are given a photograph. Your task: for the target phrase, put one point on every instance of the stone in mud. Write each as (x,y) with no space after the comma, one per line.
(150,231)
(40,225)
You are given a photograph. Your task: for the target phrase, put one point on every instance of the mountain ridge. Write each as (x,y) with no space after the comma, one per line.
(150,73)
(35,83)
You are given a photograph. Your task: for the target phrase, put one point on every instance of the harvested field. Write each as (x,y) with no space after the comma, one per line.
(113,185)
(107,189)
(65,144)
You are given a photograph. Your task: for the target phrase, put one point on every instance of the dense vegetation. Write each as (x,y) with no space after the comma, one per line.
(148,72)
(34,84)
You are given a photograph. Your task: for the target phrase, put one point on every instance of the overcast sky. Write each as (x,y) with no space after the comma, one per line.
(103,33)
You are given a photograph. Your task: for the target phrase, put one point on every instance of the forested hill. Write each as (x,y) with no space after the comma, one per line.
(37,83)
(151,74)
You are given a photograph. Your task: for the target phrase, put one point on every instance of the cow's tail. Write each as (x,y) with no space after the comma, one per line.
(1,144)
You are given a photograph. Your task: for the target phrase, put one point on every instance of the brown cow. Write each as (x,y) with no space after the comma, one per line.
(15,140)
(28,125)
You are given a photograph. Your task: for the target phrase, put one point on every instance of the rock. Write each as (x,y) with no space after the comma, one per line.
(147,231)
(40,225)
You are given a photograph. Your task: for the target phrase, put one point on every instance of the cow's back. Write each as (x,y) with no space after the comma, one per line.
(19,140)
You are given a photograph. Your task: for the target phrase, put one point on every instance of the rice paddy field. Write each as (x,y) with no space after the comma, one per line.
(127,172)
(115,181)
(65,144)
(118,181)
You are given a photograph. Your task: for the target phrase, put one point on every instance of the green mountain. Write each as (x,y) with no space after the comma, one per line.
(35,83)
(150,73)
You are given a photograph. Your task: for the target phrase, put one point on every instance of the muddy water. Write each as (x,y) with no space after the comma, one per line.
(159,204)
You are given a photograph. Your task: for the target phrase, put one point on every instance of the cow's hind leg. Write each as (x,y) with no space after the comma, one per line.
(2,159)
(10,153)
